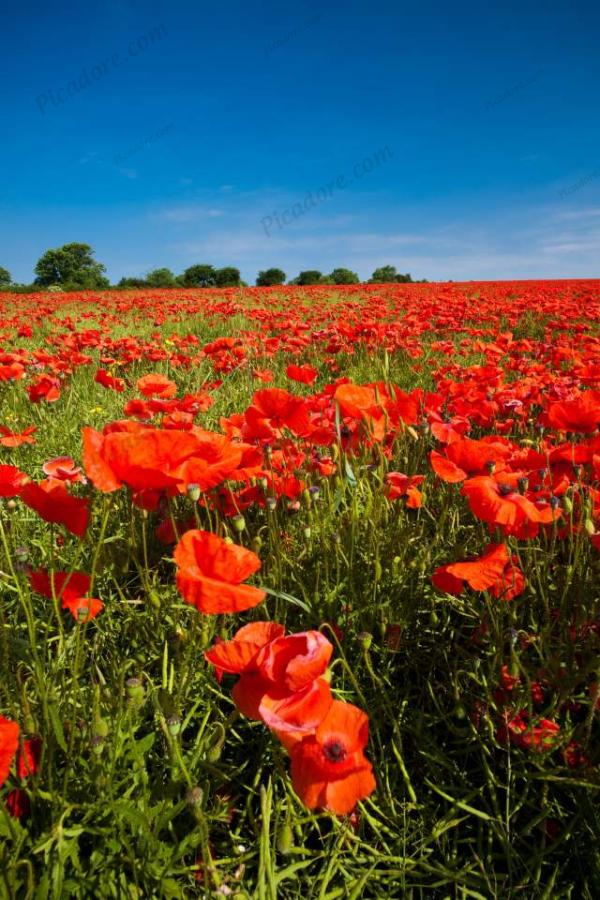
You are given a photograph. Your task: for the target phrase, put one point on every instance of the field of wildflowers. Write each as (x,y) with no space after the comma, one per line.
(300,592)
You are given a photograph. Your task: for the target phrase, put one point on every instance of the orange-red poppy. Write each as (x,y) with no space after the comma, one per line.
(210,572)
(9,743)
(156,385)
(329,769)
(12,481)
(400,485)
(51,500)
(495,571)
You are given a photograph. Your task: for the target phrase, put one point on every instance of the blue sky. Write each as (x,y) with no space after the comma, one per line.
(451,140)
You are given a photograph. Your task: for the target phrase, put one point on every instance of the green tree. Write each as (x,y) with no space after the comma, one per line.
(270,277)
(5,277)
(388,274)
(309,276)
(228,277)
(160,278)
(344,276)
(201,275)
(131,283)
(71,266)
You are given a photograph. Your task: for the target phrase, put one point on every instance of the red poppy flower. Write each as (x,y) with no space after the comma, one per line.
(63,468)
(157,459)
(46,387)
(156,385)
(239,654)
(71,588)
(581,414)
(109,381)
(329,769)
(495,500)
(51,500)
(539,735)
(495,571)
(400,485)
(466,457)
(9,743)
(210,572)
(304,374)
(281,679)
(274,409)
(12,481)
(16,439)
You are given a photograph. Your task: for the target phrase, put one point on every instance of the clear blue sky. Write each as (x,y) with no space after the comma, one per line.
(165,134)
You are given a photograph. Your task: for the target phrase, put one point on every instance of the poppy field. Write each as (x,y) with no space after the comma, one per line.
(300,592)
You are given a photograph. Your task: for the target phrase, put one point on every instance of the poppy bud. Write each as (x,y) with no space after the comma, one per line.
(228,540)
(307,532)
(257,543)
(11,504)
(193,492)
(174,725)
(589,527)
(239,523)
(523,485)
(135,691)
(285,840)
(490,466)
(567,504)
(101,728)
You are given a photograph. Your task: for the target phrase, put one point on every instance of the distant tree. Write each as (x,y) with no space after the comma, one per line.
(384,275)
(270,277)
(5,277)
(344,276)
(201,275)
(228,277)
(132,283)
(71,266)
(309,276)
(388,274)
(160,278)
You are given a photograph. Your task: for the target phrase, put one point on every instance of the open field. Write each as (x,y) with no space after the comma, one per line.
(407,477)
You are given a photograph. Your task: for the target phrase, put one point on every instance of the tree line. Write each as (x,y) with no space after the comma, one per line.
(72,267)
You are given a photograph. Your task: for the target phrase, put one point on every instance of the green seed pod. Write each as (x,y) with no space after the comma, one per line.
(285,840)
(460,712)
(365,640)
(193,492)
(239,524)
(174,725)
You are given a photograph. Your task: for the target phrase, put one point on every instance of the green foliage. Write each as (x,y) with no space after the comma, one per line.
(71,266)
(132,283)
(228,277)
(309,276)
(270,277)
(160,278)
(388,274)
(344,276)
(5,277)
(201,275)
